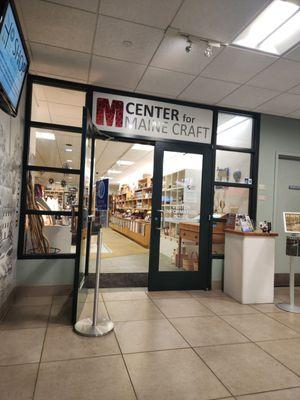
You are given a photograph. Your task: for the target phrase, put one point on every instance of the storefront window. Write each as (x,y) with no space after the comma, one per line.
(51,191)
(55,105)
(234,130)
(49,234)
(50,148)
(230,200)
(232,167)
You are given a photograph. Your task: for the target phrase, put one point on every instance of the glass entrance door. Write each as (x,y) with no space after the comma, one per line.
(83,226)
(179,257)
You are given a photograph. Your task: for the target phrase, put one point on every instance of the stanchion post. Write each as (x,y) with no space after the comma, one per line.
(95,327)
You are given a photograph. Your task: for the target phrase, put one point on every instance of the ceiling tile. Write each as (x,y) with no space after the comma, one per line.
(59,26)
(248,97)
(164,82)
(164,95)
(237,65)
(115,73)
(283,104)
(88,5)
(295,114)
(171,55)
(60,62)
(204,90)
(282,75)
(157,13)
(295,90)
(294,54)
(215,19)
(112,32)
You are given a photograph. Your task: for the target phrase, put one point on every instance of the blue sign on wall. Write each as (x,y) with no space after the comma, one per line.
(102,195)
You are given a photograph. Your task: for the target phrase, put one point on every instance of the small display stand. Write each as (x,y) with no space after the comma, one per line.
(292,250)
(95,327)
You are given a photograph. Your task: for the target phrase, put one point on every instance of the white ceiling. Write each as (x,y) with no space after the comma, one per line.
(83,41)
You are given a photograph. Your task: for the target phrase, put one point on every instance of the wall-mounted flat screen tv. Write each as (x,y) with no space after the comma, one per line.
(14,59)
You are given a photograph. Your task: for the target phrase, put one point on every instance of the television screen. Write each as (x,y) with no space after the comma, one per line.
(14,60)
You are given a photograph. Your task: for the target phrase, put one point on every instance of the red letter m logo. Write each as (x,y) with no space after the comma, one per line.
(111,112)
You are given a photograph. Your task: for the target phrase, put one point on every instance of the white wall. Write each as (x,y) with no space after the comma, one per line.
(11,146)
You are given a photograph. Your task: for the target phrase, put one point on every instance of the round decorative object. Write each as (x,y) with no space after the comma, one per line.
(51,181)
(237,175)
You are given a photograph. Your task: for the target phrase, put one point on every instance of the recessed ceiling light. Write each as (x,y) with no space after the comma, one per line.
(144,147)
(124,162)
(68,150)
(127,43)
(69,160)
(45,135)
(113,171)
(275,30)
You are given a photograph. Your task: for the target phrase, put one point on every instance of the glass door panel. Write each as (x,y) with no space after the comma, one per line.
(180,212)
(182,204)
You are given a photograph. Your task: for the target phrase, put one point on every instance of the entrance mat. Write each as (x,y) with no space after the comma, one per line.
(118,280)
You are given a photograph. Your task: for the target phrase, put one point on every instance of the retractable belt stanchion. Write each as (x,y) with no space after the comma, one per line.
(95,326)
(292,250)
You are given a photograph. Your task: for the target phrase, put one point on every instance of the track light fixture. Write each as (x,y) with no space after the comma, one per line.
(188,48)
(210,44)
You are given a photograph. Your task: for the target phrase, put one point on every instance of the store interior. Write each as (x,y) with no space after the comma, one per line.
(129,170)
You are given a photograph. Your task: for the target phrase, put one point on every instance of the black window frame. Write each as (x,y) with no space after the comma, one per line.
(89,90)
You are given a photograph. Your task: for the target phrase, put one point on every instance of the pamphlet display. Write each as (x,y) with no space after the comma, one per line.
(292,227)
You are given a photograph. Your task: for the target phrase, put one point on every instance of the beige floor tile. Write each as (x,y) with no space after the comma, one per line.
(260,327)
(173,374)
(90,296)
(207,293)
(136,336)
(267,308)
(168,293)
(61,299)
(132,310)
(26,317)
(61,314)
(88,308)
(184,307)
(21,346)
(17,381)
(245,368)
(285,394)
(286,351)
(62,343)
(289,319)
(33,301)
(206,331)
(226,306)
(102,378)
(125,295)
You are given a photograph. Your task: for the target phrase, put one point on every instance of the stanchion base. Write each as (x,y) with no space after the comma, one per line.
(289,307)
(85,327)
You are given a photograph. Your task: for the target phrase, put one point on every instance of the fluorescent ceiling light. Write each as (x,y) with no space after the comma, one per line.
(69,161)
(113,171)
(45,135)
(124,162)
(144,147)
(275,30)
(68,150)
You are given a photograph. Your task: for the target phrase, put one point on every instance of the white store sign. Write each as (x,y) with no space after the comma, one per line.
(148,118)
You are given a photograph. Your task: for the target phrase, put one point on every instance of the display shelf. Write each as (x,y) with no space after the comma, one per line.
(135,229)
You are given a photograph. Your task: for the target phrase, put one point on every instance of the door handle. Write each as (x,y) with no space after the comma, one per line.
(162,220)
(73,219)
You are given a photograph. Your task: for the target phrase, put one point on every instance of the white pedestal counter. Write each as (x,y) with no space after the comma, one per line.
(249,266)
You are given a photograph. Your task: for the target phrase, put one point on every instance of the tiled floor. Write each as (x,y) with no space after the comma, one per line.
(185,345)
